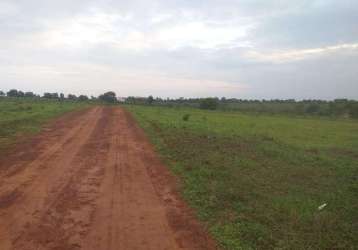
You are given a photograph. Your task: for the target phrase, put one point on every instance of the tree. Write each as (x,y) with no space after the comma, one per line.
(150,100)
(109,97)
(12,93)
(71,97)
(209,103)
(51,95)
(83,98)
(29,94)
(47,95)
(2,93)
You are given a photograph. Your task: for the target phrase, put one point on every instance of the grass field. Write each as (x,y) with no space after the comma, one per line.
(22,116)
(257,180)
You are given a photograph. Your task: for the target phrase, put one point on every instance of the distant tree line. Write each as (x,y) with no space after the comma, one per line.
(108,97)
(338,107)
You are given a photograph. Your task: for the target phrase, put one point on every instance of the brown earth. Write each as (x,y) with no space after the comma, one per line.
(91,180)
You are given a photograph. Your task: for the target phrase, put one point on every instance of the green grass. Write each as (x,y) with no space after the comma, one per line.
(24,116)
(257,180)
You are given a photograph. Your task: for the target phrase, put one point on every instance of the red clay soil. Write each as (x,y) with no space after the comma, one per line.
(91,180)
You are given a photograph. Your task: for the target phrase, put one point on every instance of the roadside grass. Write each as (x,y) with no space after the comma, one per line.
(257,180)
(24,116)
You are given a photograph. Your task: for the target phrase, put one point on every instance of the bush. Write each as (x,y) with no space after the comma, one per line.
(186,117)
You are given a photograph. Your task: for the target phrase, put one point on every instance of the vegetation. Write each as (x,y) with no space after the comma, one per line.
(260,181)
(109,97)
(209,103)
(22,113)
(337,108)
(23,116)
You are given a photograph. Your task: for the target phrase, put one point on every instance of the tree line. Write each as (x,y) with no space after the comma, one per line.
(108,97)
(337,107)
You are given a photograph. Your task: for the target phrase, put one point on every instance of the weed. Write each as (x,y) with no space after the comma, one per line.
(186,117)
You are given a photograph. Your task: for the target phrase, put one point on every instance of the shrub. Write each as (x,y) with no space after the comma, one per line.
(186,117)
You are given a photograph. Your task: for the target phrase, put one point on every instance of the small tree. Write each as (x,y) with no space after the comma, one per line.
(47,95)
(71,97)
(83,98)
(29,94)
(209,103)
(2,93)
(109,97)
(150,100)
(12,93)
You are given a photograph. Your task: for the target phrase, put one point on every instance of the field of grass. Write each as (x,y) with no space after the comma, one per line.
(24,116)
(257,180)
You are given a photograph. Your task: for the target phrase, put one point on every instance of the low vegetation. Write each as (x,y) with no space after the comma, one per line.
(261,181)
(336,108)
(23,113)
(24,116)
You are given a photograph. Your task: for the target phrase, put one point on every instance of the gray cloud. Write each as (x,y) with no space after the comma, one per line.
(246,49)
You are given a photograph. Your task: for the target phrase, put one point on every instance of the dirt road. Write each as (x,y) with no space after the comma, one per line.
(91,180)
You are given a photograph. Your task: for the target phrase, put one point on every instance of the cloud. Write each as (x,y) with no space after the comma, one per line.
(84,31)
(124,82)
(299,54)
(243,48)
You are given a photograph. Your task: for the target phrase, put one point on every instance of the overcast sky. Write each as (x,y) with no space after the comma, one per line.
(190,48)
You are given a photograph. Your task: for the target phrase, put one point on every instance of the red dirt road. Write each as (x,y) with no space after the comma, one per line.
(91,180)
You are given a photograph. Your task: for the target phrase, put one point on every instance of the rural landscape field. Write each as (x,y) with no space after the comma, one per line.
(179,125)
(258,180)
(252,180)
(22,117)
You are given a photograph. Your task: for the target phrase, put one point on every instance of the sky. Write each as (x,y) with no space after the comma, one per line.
(250,49)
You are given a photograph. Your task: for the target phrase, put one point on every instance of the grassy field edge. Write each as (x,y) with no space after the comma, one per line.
(259,187)
(21,118)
